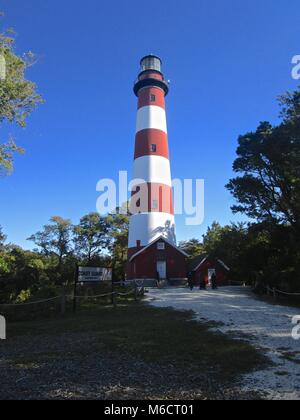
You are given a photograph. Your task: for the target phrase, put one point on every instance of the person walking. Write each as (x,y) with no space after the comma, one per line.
(214,281)
(158,279)
(190,280)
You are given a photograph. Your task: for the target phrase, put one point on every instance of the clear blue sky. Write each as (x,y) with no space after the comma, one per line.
(227,61)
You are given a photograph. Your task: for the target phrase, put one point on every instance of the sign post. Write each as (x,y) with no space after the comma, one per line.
(90,275)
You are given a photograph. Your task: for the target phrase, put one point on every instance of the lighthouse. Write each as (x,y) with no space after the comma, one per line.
(152,250)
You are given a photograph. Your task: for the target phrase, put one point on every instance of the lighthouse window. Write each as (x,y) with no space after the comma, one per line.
(153,148)
(152,98)
(155,204)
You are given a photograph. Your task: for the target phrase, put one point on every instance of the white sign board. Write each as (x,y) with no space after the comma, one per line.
(94,274)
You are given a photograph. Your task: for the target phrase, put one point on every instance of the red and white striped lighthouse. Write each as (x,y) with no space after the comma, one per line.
(152,217)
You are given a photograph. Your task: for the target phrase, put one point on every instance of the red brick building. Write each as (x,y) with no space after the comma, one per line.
(204,266)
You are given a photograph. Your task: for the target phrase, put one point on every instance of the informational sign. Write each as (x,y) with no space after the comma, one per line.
(94,274)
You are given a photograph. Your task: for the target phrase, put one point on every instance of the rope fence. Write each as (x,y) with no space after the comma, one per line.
(64,297)
(30,303)
(275,290)
(138,288)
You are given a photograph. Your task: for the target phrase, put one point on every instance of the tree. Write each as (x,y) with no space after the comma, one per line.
(192,247)
(225,242)
(118,226)
(229,243)
(55,238)
(268,189)
(18,96)
(2,238)
(90,236)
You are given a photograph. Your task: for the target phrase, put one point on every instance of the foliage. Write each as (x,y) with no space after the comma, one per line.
(55,237)
(55,240)
(268,189)
(24,273)
(18,96)
(96,240)
(118,226)
(192,247)
(90,236)
(2,238)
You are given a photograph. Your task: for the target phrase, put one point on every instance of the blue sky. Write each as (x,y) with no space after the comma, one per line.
(227,62)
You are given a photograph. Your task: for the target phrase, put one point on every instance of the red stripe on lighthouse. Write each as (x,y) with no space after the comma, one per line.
(151,96)
(151,142)
(151,75)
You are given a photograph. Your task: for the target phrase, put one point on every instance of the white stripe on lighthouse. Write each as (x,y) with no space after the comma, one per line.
(146,227)
(152,169)
(151,117)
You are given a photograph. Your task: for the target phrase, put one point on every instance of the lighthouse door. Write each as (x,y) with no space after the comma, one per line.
(162,269)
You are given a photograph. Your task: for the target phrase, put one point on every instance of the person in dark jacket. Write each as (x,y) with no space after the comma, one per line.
(214,281)
(190,280)
(157,279)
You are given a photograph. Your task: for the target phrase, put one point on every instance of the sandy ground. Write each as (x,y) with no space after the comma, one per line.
(266,326)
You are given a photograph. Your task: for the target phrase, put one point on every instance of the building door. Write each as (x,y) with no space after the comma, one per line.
(162,269)
(211,272)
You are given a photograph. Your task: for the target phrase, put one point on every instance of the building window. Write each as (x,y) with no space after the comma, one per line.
(153,148)
(155,204)
(161,246)
(152,98)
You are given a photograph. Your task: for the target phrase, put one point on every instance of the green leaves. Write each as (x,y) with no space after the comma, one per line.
(192,247)
(55,237)
(7,152)
(269,163)
(90,236)
(18,96)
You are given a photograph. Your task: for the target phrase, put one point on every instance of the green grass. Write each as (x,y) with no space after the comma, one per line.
(156,335)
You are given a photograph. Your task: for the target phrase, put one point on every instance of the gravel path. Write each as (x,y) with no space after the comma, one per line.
(266,326)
